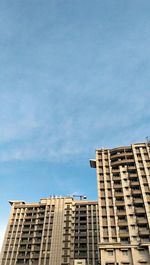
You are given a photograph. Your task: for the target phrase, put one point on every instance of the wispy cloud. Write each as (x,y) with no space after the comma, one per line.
(67,88)
(32,128)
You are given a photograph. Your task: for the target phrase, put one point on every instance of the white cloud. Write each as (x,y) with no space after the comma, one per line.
(38,128)
(85,94)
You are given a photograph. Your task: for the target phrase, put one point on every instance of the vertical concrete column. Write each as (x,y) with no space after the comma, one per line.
(113,198)
(99,198)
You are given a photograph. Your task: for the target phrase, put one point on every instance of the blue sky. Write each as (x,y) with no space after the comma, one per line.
(74,76)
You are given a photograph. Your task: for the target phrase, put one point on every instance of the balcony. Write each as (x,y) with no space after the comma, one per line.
(139,210)
(132,176)
(113,234)
(119,194)
(138,201)
(111,213)
(23,256)
(35,256)
(115,170)
(124,234)
(105,234)
(121,213)
(135,183)
(143,231)
(104,213)
(103,203)
(104,223)
(117,186)
(137,192)
(141,220)
(25,235)
(147,189)
(116,178)
(148,198)
(130,168)
(120,203)
(112,223)
(123,152)
(122,223)
(117,156)
(145,240)
(24,242)
(122,162)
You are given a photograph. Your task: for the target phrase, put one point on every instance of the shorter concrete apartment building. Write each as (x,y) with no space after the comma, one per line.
(55,231)
(115,230)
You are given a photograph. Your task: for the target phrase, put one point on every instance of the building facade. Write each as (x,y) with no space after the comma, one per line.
(123,181)
(86,237)
(55,231)
(115,230)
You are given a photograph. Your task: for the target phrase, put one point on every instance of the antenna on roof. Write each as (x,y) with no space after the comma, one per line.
(148,141)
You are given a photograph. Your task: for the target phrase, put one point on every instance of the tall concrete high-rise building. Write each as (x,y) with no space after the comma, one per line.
(115,230)
(123,180)
(55,231)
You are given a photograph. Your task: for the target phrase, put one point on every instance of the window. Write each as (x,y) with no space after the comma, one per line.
(106,239)
(125,252)
(110,252)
